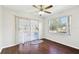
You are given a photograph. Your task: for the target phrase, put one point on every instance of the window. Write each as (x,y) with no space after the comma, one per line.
(60,25)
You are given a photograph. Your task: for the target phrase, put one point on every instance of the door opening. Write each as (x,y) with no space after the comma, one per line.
(28,30)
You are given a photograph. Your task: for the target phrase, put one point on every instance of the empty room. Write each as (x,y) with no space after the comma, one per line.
(39,29)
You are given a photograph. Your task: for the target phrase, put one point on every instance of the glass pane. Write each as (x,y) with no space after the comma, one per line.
(59,25)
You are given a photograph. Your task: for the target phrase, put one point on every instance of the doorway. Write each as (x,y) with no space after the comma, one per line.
(28,30)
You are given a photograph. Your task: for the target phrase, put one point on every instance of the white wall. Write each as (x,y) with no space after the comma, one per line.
(8,28)
(0,27)
(72,40)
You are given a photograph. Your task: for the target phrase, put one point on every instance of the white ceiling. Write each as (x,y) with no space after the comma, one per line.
(29,9)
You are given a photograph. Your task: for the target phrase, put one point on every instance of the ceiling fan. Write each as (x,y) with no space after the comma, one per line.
(43,8)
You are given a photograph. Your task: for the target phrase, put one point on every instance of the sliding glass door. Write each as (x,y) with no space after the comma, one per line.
(27,30)
(23,30)
(34,30)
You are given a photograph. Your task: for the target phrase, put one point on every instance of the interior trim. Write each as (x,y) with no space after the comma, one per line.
(1,49)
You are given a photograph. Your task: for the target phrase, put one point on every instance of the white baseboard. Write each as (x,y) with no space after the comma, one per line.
(1,49)
(8,46)
(64,44)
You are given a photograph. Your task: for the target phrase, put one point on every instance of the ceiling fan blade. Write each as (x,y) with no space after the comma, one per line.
(47,12)
(35,6)
(48,7)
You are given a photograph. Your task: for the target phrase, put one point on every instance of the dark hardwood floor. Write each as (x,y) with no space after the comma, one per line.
(46,47)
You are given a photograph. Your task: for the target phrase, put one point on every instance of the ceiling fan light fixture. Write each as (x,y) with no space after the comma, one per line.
(41,13)
(43,9)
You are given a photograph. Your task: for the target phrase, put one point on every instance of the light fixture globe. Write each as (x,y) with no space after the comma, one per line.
(41,13)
